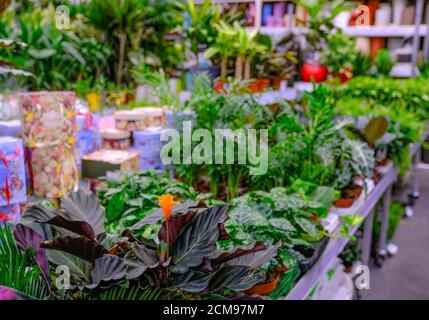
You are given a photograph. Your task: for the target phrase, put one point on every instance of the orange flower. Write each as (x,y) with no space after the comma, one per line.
(166,202)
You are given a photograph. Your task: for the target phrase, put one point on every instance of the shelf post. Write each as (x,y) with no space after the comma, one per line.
(416,38)
(384,219)
(367,238)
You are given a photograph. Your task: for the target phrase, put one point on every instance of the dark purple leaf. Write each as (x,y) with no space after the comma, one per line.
(79,227)
(175,226)
(84,248)
(25,238)
(227,256)
(223,234)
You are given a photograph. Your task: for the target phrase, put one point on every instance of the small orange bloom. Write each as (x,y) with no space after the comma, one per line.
(166,202)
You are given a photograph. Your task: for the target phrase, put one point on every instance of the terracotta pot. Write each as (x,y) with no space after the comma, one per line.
(254,86)
(353,191)
(348,269)
(376,45)
(264,289)
(343,76)
(344,203)
(382,163)
(219,85)
(276,83)
(376,176)
(263,84)
(314,71)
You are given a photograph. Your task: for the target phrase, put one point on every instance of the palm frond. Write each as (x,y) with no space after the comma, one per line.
(18,270)
(131,293)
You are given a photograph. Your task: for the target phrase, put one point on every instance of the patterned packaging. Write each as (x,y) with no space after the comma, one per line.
(11,128)
(97,164)
(87,141)
(48,118)
(10,213)
(148,141)
(12,172)
(114,139)
(54,170)
(148,162)
(153,116)
(86,121)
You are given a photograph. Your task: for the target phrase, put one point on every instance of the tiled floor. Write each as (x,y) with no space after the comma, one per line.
(406,275)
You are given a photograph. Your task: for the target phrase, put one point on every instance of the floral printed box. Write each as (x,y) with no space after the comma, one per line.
(48,118)
(148,141)
(12,171)
(97,164)
(149,162)
(10,213)
(54,170)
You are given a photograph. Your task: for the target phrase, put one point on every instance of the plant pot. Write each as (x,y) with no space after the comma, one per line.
(344,203)
(254,86)
(348,269)
(263,84)
(264,289)
(317,72)
(344,76)
(376,176)
(219,85)
(93,99)
(314,255)
(353,191)
(276,83)
(376,45)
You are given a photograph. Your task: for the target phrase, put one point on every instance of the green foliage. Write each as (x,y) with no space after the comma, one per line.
(340,52)
(384,62)
(130,294)
(18,270)
(131,197)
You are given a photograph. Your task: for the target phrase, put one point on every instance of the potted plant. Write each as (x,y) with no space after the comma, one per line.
(320,25)
(350,255)
(339,55)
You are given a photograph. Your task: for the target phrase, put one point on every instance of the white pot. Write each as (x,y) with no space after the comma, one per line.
(398,10)
(383,15)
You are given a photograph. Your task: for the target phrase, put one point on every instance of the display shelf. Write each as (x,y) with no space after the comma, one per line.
(335,247)
(391,31)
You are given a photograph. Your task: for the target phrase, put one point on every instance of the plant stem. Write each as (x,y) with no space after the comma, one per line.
(239,68)
(122,43)
(223,67)
(247,67)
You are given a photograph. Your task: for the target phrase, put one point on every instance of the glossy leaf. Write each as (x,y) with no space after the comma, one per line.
(82,206)
(81,247)
(198,239)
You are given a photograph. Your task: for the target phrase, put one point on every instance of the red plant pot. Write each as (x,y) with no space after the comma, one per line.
(344,76)
(318,73)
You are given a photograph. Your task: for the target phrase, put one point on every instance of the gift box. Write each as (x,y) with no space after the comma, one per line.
(147,117)
(148,141)
(86,121)
(54,171)
(11,128)
(87,141)
(98,163)
(9,107)
(129,120)
(12,172)
(149,161)
(115,139)
(48,118)
(10,213)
